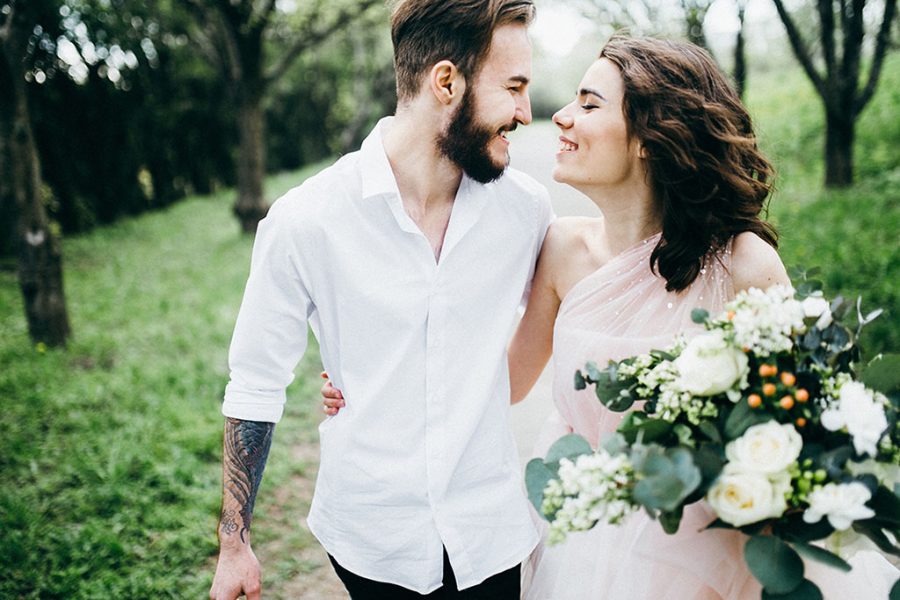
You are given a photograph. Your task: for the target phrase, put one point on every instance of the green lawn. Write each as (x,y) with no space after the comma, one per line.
(112,449)
(111,458)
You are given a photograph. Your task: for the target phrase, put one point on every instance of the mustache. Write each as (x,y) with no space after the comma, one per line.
(509,128)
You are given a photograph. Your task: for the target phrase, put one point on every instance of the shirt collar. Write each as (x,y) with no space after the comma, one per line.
(377,175)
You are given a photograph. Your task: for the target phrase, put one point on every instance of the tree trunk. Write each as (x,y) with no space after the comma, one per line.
(840,132)
(740,57)
(40,259)
(250,206)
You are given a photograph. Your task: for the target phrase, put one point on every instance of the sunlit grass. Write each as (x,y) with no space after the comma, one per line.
(111,460)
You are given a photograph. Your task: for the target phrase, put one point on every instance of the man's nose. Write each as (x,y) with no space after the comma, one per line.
(523,110)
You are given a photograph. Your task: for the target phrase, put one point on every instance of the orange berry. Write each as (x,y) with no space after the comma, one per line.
(754,400)
(801,422)
(767,370)
(730,315)
(788,379)
(801,395)
(787,402)
(769,389)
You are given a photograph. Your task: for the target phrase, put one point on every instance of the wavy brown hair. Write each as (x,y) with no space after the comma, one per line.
(708,175)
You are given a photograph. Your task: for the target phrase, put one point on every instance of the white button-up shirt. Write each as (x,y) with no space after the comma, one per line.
(422,455)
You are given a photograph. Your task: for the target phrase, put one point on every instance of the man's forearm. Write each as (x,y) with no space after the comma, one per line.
(247,446)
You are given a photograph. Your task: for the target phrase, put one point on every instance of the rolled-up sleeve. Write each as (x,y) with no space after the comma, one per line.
(271,330)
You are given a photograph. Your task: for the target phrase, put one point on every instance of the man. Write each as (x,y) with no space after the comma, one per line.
(409,260)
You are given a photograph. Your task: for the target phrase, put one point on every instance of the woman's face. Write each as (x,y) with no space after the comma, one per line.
(595,151)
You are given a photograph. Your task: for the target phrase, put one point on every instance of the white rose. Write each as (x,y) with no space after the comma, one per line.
(859,411)
(709,365)
(768,448)
(741,498)
(842,503)
(817,306)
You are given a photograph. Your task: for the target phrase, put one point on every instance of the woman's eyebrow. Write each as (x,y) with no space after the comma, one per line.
(592,92)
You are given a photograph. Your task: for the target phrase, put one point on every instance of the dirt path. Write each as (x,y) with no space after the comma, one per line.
(533,150)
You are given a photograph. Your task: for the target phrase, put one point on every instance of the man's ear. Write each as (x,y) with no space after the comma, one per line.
(446,82)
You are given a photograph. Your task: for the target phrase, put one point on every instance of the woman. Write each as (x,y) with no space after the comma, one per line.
(659,141)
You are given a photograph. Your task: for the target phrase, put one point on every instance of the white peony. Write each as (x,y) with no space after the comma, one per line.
(741,498)
(859,410)
(842,503)
(709,365)
(768,448)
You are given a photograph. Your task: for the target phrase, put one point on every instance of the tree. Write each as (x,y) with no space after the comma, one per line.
(235,40)
(839,85)
(740,54)
(39,253)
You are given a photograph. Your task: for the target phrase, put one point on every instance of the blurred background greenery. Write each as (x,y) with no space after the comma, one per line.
(111,452)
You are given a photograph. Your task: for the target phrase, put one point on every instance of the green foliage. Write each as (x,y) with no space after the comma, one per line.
(111,457)
(852,233)
(774,564)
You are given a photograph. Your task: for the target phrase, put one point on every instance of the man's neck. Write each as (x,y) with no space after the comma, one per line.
(426,180)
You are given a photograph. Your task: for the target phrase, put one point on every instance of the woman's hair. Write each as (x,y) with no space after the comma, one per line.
(707,173)
(426,32)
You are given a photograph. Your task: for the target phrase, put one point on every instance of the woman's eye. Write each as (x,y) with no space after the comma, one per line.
(589,106)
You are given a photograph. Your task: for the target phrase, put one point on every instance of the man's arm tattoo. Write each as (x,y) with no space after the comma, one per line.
(247,446)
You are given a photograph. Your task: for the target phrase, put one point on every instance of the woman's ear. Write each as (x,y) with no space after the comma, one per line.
(446,82)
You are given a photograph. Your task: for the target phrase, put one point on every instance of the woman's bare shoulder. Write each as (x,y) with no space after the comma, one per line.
(755,263)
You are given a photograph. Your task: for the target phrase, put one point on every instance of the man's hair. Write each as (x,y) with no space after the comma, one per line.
(426,32)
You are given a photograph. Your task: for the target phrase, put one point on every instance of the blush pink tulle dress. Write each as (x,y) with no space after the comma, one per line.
(620,310)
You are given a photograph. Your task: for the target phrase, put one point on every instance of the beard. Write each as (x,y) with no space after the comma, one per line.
(466,140)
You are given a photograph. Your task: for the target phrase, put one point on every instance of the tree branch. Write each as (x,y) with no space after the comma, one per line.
(313,38)
(881,45)
(800,49)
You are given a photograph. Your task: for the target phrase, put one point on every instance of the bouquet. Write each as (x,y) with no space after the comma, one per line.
(766,415)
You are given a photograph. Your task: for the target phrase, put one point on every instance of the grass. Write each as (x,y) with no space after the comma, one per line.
(111,459)
(112,448)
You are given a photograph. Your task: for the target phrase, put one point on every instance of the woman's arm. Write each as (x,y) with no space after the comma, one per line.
(532,343)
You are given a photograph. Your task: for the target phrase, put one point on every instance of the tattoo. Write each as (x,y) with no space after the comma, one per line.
(229,525)
(247,446)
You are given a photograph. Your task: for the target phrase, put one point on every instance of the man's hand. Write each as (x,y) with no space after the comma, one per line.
(237,573)
(332,398)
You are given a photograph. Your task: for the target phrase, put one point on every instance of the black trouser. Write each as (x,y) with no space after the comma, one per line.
(502,586)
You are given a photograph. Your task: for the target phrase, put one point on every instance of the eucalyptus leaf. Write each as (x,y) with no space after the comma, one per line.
(636,426)
(895,591)
(874,533)
(614,443)
(822,555)
(742,418)
(807,590)
(710,430)
(775,565)
(593,372)
(569,446)
(666,478)
(613,393)
(833,461)
(580,382)
(699,315)
(537,474)
(670,520)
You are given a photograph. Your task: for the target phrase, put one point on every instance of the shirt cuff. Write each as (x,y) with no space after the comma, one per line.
(267,407)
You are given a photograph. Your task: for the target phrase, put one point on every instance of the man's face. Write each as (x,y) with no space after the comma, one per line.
(495,103)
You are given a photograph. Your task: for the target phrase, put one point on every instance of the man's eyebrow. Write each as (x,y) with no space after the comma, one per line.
(520,79)
(592,92)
